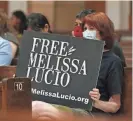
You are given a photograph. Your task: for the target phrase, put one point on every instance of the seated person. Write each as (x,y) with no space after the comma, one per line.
(18,23)
(13,42)
(8,35)
(116,47)
(107,94)
(111,71)
(38,22)
(5,52)
(79,19)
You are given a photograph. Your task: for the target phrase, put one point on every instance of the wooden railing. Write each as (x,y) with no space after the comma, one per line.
(15,100)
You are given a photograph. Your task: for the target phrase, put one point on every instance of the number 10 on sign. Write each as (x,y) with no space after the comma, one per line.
(18,86)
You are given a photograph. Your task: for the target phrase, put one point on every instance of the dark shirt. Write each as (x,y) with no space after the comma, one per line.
(118,51)
(110,77)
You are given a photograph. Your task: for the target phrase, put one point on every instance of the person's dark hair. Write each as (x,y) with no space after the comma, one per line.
(23,21)
(37,21)
(104,25)
(84,13)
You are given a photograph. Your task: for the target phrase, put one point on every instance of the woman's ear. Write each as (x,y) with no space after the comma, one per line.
(46,28)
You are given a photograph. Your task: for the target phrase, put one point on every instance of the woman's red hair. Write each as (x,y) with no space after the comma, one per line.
(104,25)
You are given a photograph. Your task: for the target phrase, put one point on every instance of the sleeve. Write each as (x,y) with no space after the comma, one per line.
(10,37)
(115,78)
(5,53)
(118,51)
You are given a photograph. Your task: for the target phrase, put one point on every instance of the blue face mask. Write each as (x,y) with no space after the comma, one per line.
(89,34)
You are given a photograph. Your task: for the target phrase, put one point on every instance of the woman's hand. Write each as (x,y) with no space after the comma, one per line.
(111,106)
(95,95)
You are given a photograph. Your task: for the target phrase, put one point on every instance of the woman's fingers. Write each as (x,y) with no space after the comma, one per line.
(95,90)
(94,94)
(93,98)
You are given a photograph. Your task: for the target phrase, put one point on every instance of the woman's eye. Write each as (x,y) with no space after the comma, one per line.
(85,28)
(81,24)
(76,24)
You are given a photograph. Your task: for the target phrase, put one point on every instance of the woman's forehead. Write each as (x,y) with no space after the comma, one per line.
(78,21)
(88,25)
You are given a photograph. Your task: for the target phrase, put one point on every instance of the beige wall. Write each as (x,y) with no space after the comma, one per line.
(65,12)
(99,6)
(44,7)
(125,13)
(118,11)
(61,14)
(16,5)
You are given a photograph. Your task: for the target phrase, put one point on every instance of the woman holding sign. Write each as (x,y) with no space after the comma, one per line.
(107,94)
(77,32)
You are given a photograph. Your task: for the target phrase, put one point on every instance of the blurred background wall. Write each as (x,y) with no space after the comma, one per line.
(61,14)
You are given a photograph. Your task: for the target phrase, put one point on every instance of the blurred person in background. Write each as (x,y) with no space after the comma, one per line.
(38,22)
(19,23)
(77,32)
(8,35)
(6,52)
